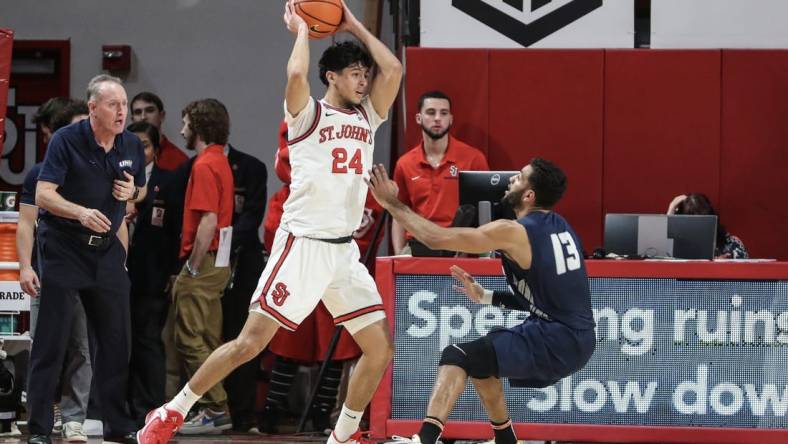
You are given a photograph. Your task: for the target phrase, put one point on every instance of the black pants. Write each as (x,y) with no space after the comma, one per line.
(71,269)
(147,372)
(241,384)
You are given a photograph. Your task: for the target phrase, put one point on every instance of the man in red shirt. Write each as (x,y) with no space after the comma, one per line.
(427,175)
(197,291)
(148,107)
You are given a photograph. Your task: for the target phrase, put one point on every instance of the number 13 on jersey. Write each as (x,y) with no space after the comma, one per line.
(340,165)
(569,260)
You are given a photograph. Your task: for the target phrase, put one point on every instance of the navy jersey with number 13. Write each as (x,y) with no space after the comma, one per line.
(555,287)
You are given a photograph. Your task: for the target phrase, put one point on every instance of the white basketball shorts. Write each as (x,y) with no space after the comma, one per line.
(302,271)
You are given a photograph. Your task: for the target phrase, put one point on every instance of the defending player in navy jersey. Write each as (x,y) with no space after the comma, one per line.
(544,266)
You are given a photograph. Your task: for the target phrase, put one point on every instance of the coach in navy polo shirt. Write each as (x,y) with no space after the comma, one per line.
(91,170)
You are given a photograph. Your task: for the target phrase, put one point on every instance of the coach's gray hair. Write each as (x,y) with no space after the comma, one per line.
(94,86)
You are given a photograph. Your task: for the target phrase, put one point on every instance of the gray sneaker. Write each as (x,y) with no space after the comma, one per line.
(12,430)
(207,422)
(72,432)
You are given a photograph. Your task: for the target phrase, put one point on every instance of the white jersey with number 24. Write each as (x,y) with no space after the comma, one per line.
(330,155)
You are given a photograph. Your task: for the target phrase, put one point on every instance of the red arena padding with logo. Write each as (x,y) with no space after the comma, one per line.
(731,386)
(6,42)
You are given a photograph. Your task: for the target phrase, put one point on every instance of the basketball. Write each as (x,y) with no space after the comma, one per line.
(322,16)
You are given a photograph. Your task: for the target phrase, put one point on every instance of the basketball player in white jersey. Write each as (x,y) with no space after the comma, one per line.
(314,256)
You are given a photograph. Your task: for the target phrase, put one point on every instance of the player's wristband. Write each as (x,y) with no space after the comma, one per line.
(487,297)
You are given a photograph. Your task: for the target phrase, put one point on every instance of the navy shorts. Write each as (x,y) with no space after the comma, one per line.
(539,353)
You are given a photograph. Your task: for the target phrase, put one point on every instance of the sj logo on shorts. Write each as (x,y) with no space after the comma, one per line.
(280,293)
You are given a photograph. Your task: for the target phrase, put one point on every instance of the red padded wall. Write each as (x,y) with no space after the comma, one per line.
(549,104)
(754,169)
(460,73)
(632,128)
(662,128)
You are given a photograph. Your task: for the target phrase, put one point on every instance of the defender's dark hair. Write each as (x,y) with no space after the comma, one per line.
(699,203)
(548,182)
(340,55)
(147,96)
(208,118)
(48,110)
(433,95)
(72,109)
(152,132)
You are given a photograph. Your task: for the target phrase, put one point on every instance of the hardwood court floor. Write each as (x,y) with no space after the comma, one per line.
(217,439)
(202,439)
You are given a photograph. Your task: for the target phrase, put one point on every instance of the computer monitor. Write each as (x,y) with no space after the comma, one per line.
(485,189)
(661,235)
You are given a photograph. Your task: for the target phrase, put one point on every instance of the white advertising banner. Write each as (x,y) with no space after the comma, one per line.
(719,24)
(527,23)
(12,298)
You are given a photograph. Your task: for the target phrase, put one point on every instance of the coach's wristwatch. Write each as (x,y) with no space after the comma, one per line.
(192,272)
(135,195)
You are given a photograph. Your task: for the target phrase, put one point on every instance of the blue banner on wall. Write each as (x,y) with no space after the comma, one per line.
(670,352)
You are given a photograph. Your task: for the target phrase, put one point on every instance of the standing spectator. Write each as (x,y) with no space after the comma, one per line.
(148,107)
(90,171)
(77,373)
(250,177)
(727,246)
(208,208)
(46,113)
(427,175)
(153,256)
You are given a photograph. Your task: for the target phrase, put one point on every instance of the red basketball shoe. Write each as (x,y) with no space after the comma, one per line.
(357,438)
(160,425)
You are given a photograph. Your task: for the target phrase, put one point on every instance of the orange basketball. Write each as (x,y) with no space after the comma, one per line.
(322,16)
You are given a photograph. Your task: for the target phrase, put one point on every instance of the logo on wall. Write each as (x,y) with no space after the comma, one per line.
(20,145)
(527,34)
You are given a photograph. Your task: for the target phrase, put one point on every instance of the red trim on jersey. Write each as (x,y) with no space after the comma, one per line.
(311,128)
(286,323)
(357,313)
(364,113)
(263,304)
(342,110)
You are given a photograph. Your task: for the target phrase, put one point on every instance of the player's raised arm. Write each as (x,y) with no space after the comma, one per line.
(504,235)
(386,83)
(297,89)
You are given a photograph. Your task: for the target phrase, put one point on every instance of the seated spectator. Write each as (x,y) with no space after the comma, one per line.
(728,245)
(428,174)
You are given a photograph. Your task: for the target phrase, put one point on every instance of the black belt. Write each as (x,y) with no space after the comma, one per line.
(336,240)
(94,241)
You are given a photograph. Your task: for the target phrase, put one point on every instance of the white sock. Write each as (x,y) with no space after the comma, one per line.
(183,401)
(347,424)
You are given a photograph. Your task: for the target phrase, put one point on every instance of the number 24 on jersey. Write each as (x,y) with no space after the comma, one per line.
(341,165)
